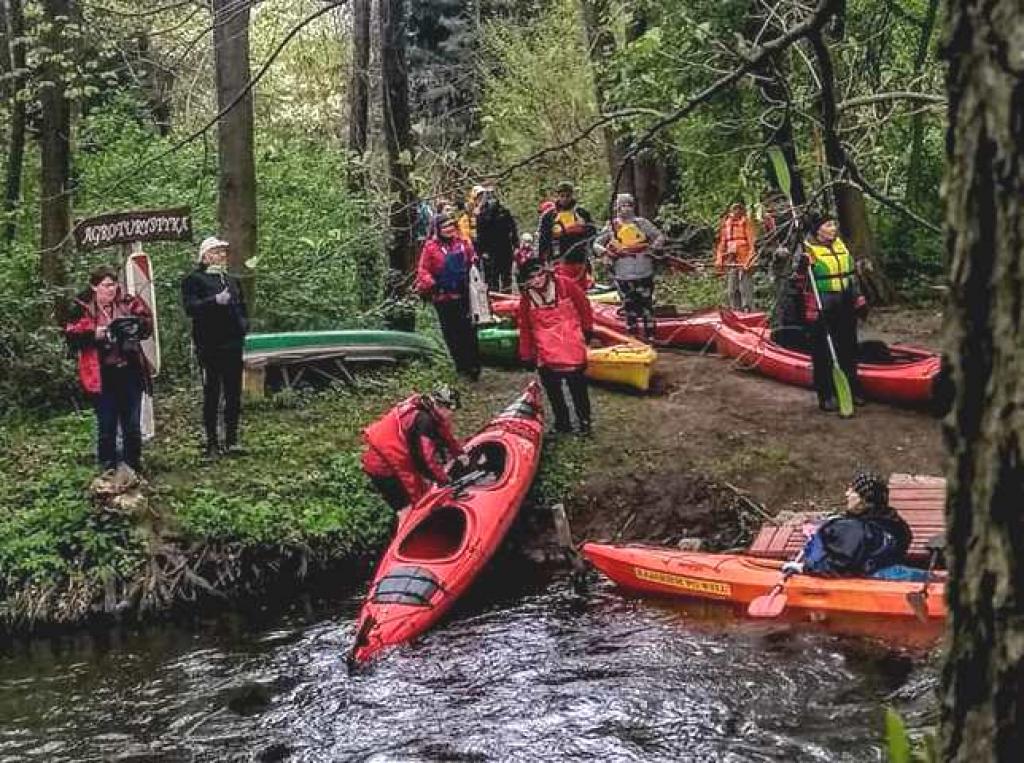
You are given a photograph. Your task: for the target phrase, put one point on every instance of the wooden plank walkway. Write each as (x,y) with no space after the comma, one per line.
(919,499)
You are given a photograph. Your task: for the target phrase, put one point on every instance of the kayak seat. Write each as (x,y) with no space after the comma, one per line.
(438,536)
(487,457)
(920,500)
(414,586)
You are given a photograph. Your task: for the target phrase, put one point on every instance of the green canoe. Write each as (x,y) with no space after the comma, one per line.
(350,344)
(499,344)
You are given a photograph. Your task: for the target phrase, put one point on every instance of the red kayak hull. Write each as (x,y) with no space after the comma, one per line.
(445,540)
(910,380)
(741,579)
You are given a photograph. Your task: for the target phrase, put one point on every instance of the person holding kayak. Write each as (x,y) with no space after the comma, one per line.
(442,276)
(626,245)
(869,540)
(826,259)
(571,228)
(105,331)
(407,447)
(555,323)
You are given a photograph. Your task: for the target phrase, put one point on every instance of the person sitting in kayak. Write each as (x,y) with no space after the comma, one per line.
(626,245)
(869,540)
(570,228)
(555,322)
(407,447)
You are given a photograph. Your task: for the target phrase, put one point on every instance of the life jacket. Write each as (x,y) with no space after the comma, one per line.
(557,332)
(831,266)
(454,273)
(387,453)
(568,222)
(629,236)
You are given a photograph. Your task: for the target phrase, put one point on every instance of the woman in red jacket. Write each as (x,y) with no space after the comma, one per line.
(555,323)
(106,329)
(442,276)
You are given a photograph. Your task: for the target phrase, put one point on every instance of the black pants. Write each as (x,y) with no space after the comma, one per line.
(638,304)
(499,271)
(392,489)
(222,376)
(838,317)
(118,406)
(578,390)
(459,335)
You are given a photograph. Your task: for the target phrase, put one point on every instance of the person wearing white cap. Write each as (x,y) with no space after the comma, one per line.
(214,301)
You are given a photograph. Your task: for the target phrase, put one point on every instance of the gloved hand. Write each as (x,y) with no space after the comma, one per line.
(793,568)
(222,297)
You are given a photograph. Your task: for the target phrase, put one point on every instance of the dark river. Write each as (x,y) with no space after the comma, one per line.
(539,674)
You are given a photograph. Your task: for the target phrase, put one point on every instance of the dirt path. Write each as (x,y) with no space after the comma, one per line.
(664,466)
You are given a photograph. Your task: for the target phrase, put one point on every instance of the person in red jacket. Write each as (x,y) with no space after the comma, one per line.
(442,276)
(407,447)
(106,328)
(555,323)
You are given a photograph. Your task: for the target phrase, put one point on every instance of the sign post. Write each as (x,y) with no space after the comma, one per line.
(129,230)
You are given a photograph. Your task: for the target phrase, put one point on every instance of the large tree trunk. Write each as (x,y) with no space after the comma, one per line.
(851,208)
(397,136)
(14,30)
(983,679)
(236,198)
(359,87)
(55,153)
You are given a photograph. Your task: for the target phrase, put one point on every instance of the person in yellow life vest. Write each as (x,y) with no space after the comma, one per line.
(569,228)
(626,244)
(735,256)
(826,259)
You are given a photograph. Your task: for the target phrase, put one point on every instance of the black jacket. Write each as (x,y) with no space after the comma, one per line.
(214,327)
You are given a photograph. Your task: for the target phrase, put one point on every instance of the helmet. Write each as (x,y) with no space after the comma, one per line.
(446,396)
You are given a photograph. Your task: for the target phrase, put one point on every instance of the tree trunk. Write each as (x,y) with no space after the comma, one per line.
(55,153)
(601,47)
(14,29)
(359,87)
(850,205)
(914,189)
(397,137)
(983,678)
(236,197)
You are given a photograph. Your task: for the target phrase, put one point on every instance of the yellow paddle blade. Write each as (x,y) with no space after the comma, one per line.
(843,394)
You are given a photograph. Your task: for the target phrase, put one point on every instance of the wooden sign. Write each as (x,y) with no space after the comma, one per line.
(127,227)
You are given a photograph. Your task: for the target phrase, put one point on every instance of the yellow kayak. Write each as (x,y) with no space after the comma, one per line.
(606,295)
(627,364)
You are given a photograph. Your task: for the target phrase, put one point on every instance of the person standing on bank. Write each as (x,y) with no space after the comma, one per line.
(555,324)
(569,228)
(214,301)
(736,256)
(442,276)
(106,329)
(826,259)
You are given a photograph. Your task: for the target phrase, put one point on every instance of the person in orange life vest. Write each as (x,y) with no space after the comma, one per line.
(105,329)
(407,447)
(442,276)
(735,255)
(826,259)
(555,324)
(570,228)
(626,245)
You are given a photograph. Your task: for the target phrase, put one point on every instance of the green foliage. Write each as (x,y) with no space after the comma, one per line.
(899,746)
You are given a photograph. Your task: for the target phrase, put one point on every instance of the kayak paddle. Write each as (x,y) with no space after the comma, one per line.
(918,600)
(842,385)
(772,603)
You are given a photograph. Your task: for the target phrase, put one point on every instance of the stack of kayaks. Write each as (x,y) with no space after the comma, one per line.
(447,537)
(910,376)
(740,579)
(621,361)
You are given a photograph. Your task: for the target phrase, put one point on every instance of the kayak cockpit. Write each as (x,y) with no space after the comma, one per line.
(440,535)
(489,458)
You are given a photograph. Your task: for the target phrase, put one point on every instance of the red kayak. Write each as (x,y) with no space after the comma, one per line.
(741,579)
(447,537)
(694,330)
(909,377)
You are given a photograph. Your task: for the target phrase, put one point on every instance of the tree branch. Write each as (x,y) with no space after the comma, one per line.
(866,100)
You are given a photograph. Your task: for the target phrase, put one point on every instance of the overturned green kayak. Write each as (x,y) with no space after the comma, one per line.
(352,343)
(499,344)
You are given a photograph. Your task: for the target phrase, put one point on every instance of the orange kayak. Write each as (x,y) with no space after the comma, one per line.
(741,579)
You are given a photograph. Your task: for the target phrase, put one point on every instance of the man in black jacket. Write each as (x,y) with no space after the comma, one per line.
(215,303)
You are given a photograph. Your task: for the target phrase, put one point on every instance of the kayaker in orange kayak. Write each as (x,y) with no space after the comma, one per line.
(407,447)
(869,540)
(555,322)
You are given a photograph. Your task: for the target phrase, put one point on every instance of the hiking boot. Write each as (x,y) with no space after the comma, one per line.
(829,405)
(585,429)
(211,452)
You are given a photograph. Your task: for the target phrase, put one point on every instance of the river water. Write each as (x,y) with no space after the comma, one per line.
(540,673)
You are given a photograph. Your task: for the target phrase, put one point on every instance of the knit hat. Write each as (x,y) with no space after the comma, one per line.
(871,487)
(209,243)
(814,220)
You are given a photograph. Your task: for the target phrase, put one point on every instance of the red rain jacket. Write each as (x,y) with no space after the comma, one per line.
(81,335)
(555,337)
